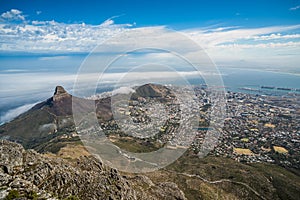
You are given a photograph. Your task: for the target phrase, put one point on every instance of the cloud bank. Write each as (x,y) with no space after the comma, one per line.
(13,113)
(21,34)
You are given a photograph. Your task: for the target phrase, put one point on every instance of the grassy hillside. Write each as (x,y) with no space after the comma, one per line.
(224,178)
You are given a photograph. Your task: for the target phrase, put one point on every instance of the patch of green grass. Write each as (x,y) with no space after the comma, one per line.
(32,195)
(286,183)
(135,145)
(71,198)
(13,194)
(269,180)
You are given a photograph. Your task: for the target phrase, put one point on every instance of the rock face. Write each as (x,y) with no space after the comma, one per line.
(59,90)
(11,156)
(27,172)
(60,93)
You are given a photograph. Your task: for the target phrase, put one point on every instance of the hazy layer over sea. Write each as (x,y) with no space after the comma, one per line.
(235,79)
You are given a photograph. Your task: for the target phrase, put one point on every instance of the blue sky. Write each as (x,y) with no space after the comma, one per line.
(44,42)
(175,13)
(33,21)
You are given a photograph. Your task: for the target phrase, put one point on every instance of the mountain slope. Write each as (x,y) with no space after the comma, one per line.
(28,172)
(50,176)
(42,123)
(51,122)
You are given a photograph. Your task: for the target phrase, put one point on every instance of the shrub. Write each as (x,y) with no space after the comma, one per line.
(71,198)
(12,195)
(32,195)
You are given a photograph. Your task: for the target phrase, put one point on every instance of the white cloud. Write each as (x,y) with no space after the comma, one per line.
(35,22)
(13,15)
(295,8)
(48,128)
(13,113)
(123,90)
(51,36)
(256,47)
(211,37)
(274,36)
(107,23)
(54,57)
(262,45)
(222,43)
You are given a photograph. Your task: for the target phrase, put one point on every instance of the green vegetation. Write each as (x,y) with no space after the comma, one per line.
(56,144)
(12,195)
(203,178)
(32,195)
(27,128)
(285,182)
(135,145)
(71,198)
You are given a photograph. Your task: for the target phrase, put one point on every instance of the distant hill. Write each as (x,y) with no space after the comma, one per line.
(152,91)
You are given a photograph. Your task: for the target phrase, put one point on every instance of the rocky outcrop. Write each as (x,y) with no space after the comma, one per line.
(59,90)
(27,172)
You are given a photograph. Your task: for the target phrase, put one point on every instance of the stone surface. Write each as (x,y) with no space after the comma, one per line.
(85,177)
(60,93)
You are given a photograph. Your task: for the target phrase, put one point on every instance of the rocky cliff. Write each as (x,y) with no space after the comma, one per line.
(27,172)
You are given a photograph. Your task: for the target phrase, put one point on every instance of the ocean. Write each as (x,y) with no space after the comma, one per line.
(257,81)
(251,81)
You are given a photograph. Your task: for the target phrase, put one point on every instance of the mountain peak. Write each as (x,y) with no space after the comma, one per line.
(60,93)
(59,90)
